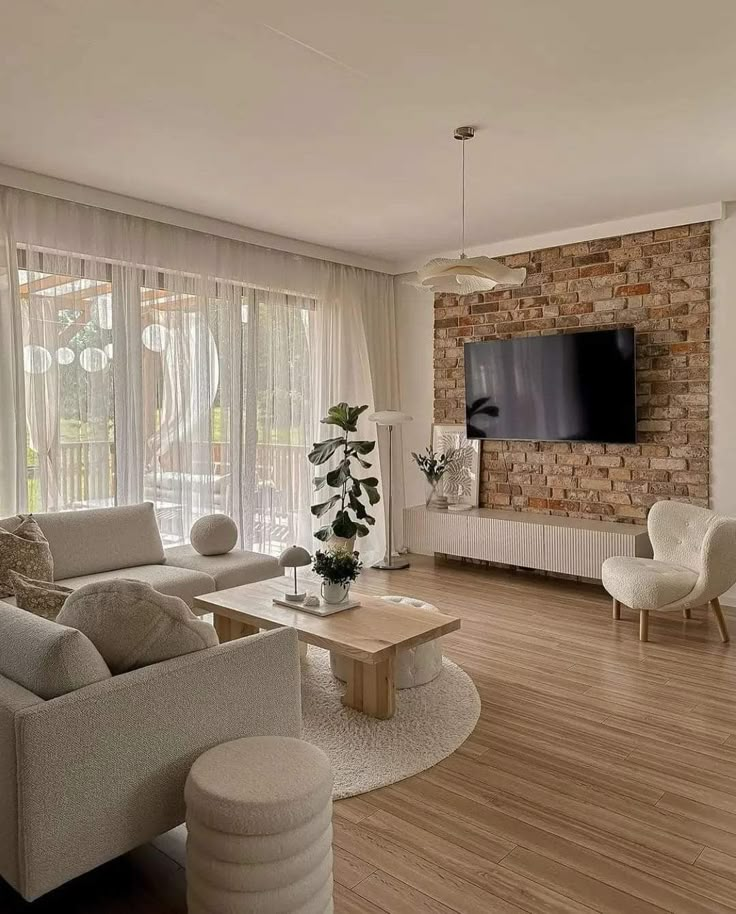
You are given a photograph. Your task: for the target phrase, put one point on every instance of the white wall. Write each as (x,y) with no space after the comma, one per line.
(415,327)
(723,368)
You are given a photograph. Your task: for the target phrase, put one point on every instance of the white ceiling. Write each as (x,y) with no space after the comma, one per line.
(331,120)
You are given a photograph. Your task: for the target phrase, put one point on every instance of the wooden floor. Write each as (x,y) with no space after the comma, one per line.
(601,776)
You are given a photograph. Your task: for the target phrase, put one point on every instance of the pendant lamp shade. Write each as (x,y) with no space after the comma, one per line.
(465,275)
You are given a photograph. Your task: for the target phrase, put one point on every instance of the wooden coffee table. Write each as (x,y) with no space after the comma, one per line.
(370,636)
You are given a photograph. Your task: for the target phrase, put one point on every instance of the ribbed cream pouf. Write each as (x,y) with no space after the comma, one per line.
(259,817)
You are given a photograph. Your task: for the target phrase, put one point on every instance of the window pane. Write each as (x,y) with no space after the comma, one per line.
(67,339)
(277,398)
(182,334)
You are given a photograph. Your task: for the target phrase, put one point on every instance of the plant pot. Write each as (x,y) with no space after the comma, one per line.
(335,593)
(339,542)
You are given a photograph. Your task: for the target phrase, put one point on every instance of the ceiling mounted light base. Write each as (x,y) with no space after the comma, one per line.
(466,275)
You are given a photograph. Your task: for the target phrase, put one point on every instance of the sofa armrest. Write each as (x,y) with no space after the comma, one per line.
(102,770)
(13,699)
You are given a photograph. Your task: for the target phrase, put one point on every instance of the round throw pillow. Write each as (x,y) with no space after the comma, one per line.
(132,625)
(214,534)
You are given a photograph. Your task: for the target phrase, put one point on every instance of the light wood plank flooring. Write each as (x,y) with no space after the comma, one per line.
(601,776)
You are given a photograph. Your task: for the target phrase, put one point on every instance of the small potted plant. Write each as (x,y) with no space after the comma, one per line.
(338,568)
(433,466)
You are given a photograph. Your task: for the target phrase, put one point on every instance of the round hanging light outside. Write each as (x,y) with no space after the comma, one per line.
(155,337)
(93,359)
(36,359)
(65,355)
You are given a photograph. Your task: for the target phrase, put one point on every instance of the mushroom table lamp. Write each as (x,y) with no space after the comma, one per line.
(389,418)
(295,557)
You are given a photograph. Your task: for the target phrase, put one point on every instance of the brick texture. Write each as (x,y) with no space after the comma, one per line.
(657,282)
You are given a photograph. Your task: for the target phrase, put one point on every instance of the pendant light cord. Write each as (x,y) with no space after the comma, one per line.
(462,252)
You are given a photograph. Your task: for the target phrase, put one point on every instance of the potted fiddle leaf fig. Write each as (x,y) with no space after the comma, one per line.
(351,517)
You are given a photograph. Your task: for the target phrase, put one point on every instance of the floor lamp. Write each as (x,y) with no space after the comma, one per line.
(389,418)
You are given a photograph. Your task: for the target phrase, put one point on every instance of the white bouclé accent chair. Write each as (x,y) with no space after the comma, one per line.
(694,564)
(415,666)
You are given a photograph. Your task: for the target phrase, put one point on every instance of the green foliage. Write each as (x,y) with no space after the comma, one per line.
(433,464)
(351,518)
(338,566)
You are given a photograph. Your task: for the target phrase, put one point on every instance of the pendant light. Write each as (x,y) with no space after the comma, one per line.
(466,275)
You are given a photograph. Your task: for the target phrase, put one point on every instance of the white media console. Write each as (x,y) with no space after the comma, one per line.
(566,545)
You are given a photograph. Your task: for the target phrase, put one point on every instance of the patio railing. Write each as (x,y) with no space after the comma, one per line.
(87,472)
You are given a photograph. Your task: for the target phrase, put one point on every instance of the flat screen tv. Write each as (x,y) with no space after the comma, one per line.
(566,387)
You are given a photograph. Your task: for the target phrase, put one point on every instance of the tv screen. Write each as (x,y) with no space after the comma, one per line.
(567,387)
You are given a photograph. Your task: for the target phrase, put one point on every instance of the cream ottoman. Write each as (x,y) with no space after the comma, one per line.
(259,817)
(415,666)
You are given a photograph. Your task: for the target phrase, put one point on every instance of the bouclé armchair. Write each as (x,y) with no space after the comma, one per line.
(694,564)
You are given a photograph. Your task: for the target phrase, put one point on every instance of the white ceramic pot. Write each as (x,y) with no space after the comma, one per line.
(335,593)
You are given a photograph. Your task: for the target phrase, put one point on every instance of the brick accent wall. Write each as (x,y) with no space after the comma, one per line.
(659,283)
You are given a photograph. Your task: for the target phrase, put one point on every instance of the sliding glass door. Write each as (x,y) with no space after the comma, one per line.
(191,392)
(67,351)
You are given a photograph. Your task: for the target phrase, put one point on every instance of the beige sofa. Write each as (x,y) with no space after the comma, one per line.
(91,774)
(105,543)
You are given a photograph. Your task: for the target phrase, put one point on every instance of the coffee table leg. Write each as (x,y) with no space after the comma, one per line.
(371,688)
(229,629)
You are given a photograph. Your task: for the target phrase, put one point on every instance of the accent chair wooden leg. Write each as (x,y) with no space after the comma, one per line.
(644,625)
(686,614)
(721,620)
(616,610)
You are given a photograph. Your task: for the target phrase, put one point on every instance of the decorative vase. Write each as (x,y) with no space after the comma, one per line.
(335,593)
(435,493)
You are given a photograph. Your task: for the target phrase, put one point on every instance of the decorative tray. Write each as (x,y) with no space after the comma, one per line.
(324,609)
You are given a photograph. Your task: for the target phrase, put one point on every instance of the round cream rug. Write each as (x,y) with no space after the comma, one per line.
(431,721)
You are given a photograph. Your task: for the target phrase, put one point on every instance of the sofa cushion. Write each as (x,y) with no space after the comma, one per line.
(132,625)
(102,539)
(229,570)
(646,583)
(177,582)
(23,548)
(45,657)
(44,598)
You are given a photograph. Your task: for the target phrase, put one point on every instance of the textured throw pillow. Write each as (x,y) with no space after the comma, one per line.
(46,658)
(43,598)
(214,534)
(132,625)
(26,550)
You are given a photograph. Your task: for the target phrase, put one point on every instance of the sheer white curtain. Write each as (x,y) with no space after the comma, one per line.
(166,364)
(12,385)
